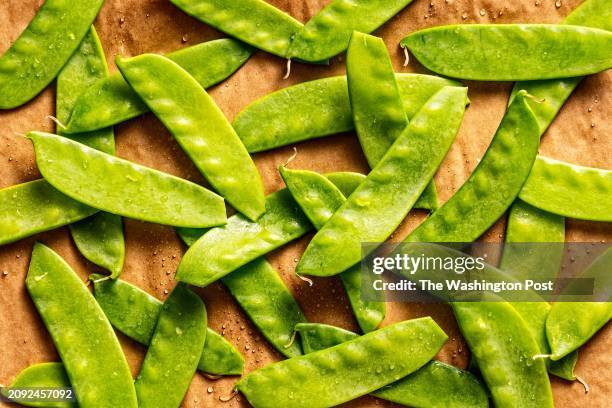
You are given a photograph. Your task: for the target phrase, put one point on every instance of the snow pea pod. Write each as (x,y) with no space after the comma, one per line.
(512,52)
(400,177)
(252,21)
(376,104)
(493,185)
(435,385)
(341,373)
(319,199)
(224,249)
(100,237)
(268,303)
(571,324)
(120,187)
(111,100)
(200,128)
(569,190)
(40,52)
(176,347)
(135,313)
(501,343)
(35,206)
(43,375)
(318,108)
(329,31)
(82,335)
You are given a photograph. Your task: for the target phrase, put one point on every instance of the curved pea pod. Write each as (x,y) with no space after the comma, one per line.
(512,52)
(382,201)
(176,347)
(344,372)
(224,249)
(134,312)
(435,385)
(81,333)
(268,303)
(35,206)
(592,13)
(253,21)
(493,185)
(571,324)
(43,375)
(503,347)
(111,100)
(40,52)
(329,31)
(564,368)
(376,104)
(318,108)
(100,237)
(569,190)
(200,128)
(319,199)
(121,187)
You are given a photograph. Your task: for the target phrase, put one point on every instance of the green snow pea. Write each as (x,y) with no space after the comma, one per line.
(111,100)
(435,385)
(328,32)
(571,324)
(382,201)
(252,21)
(569,190)
(346,181)
(99,237)
(341,373)
(319,198)
(135,313)
(43,375)
(121,187)
(376,104)
(200,128)
(81,333)
(512,52)
(501,343)
(35,206)
(40,52)
(268,303)
(176,347)
(564,368)
(493,185)
(318,108)
(224,249)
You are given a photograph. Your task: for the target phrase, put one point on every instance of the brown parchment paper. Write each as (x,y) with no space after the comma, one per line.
(580,134)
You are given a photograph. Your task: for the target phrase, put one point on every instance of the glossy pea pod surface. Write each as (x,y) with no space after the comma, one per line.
(99,237)
(224,249)
(111,100)
(376,104)
(435,385)
(40,52)
(328,32)
(569,190)
(341,373)
(319,198)
(200,127)
(135,313)
(81,333)
(501,343)
(512,52)
(42,375)
(35,206)
(493,185)
(174,352)
(266,300)
(253,21)
(121,187)
(380,203)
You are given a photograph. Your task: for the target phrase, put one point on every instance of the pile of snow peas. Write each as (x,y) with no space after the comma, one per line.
(405,124)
